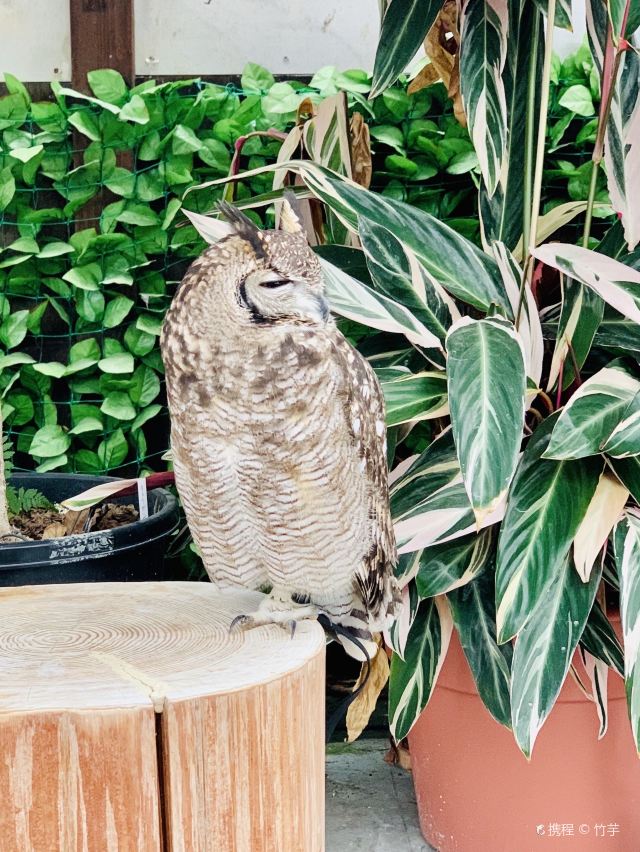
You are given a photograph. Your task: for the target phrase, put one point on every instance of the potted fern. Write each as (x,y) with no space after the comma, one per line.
(512,383)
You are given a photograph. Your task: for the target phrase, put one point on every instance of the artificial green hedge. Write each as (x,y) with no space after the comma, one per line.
(93,242)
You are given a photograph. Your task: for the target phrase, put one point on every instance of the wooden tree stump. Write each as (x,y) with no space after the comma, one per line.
(132,721)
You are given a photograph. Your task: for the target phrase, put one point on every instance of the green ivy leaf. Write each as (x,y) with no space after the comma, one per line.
(52,464)
(137,214)
(86,277)
(145,387)
(88,348)
(145,415)
(184,140)
(118,405)
(108,85)
(87,424)
(578,99)
(14,329)
(7,187)
(113,451)
(120,363)
(139,342)
(135,110)
(49,441)
(255,78)
(151,323)
(85,122)
(54,249)
(117,309)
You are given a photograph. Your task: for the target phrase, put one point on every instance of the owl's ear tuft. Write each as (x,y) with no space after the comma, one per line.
(290,217)
(243,226)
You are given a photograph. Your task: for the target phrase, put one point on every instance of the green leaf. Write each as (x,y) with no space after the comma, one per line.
(448,566)
(628,472)
(108,85)
(7,187)
(389,135)
(113,451)
(145,415)
(86,277)
(501,214)
(138,214)
(562,17)
(90,305)
(87,424)
(599,639)
(474,617)
(14,329)
(281,99)
(150,323)
(581,315)
(51,368)
(578,99)
(545,648)
(255,78)
(613,281)
(450,259)
(354,300)
(120,363)
(54,249)
(49,441)
(139,342)
(404,27)
(118,405)
(486,383)
(627,553)
(53,464)
(594,412)
(13,359)
(84,350)
(483,46)
(15,87)
(546,504)
(22,405)
(414,396)
(86,123)
(135,110)
(397,274)
(116,310)
(412,680)
(184,140)
(145,386)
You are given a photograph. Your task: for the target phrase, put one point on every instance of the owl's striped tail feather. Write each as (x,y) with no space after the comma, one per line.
(367,649)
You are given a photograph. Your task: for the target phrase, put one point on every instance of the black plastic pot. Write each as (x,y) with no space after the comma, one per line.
(132,552)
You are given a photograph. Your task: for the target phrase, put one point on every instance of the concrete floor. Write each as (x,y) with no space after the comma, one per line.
(371,805)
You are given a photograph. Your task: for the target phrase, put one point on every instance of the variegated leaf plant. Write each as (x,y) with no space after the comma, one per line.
(513,399)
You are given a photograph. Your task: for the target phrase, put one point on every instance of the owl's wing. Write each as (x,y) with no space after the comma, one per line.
(365,415)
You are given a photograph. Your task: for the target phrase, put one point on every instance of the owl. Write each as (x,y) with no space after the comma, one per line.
(278,436)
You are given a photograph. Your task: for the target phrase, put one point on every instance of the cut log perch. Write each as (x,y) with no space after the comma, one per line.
(132,721)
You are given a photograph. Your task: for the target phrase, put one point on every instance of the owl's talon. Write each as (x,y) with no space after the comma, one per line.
(292,627)
(241,621)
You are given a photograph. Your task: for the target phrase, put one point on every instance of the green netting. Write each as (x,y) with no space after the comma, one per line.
(92,243)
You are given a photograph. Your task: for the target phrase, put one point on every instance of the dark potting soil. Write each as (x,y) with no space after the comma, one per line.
(39,524)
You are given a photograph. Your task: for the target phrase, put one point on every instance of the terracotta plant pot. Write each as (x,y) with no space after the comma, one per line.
(476,792)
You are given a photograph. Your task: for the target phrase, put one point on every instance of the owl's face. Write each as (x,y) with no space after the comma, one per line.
(286,283)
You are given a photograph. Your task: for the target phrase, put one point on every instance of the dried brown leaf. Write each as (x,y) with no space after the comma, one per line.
(74,521)
(426,77)
(442,47)
(364,704)
(361,165)
(399,755)
(55,530)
